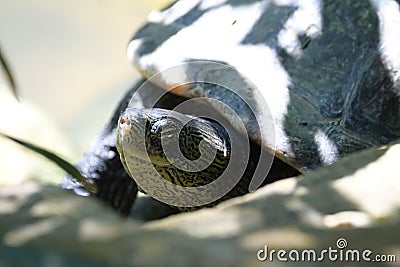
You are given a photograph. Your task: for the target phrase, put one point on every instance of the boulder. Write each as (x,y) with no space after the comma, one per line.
(352,204)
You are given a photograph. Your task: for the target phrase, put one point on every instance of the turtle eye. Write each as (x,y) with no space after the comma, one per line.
(164,127)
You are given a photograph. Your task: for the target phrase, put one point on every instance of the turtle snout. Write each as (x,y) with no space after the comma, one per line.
(124,123)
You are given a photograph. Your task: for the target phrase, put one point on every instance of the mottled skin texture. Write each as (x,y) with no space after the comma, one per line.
(192,134)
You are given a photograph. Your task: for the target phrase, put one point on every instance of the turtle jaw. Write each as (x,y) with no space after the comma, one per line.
(125,140)
(122,135)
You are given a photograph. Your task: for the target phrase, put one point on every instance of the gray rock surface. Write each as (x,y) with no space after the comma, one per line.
(356,199)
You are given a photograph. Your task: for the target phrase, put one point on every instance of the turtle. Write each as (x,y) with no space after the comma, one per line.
(209,151)
(327,70)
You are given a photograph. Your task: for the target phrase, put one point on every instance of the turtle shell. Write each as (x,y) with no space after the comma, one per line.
(328,70)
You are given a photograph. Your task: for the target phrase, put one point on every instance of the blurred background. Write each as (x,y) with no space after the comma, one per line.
(68,59)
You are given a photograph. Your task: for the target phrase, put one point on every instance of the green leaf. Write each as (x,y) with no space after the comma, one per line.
(63,164)
(10,78)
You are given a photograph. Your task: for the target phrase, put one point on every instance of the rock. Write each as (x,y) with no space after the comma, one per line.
(353,201)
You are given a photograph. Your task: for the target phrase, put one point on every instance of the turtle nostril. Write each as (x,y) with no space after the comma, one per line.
(124,122)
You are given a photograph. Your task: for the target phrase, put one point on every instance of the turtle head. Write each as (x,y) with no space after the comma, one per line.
(172,142)
(141,131)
